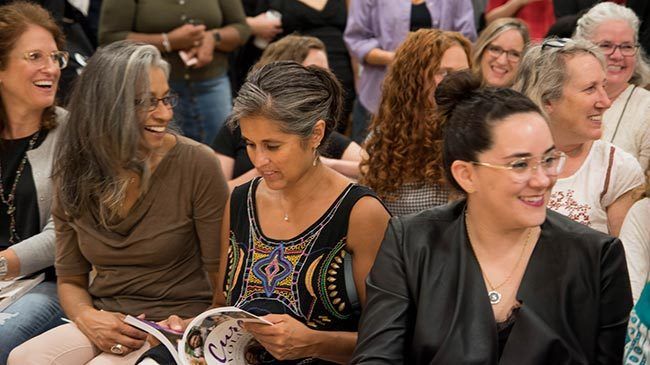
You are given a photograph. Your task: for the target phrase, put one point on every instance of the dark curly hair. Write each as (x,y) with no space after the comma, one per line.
(405,142)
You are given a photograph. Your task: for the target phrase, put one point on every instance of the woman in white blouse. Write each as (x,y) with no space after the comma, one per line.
(566,78)
(615,30)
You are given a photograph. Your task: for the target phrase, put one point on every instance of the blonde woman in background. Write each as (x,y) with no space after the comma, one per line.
(498,50)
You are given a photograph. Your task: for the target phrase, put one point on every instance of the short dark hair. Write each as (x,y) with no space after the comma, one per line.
(469,114)
(294,95)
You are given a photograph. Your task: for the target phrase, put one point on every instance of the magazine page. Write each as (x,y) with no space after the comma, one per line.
(217,337)
(11,290)
(166,336)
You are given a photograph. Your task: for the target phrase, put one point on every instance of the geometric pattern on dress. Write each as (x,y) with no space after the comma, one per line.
(273,267)
(565,203)
(328,286)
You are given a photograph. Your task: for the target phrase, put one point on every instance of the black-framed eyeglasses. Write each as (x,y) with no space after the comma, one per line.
(496,52)
(150,104)
(555,43)
(522,169)
(39,58)
(627,49)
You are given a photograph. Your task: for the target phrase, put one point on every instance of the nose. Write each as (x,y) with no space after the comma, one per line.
(617,54)
(259,158)
(603,101)
(502,58)
(539,178)
(50,65)
(162,112)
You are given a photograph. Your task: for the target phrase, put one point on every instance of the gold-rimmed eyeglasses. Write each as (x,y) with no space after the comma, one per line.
(151,103)
(522,169)
(39,58)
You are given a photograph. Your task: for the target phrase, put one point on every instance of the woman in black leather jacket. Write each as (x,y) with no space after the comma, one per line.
(495,278)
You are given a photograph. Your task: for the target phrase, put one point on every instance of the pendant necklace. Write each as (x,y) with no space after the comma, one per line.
(493,294)
(9,200)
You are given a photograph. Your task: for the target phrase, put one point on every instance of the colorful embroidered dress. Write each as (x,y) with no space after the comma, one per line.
(305,276)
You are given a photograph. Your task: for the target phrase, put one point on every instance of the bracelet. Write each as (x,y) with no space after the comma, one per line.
(165,43)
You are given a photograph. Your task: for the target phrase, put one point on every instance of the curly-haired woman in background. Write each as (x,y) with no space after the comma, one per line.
(404,148)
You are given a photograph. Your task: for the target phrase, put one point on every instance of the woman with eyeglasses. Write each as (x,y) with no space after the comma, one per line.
(615,30)
(404,150)
(137,204)
(30,126)
(495,278)
(498,50)
(566,79)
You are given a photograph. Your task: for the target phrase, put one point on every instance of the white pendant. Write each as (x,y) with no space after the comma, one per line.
(286,217)
(495,297)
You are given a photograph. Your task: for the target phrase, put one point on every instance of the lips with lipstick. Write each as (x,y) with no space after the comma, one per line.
(534,201)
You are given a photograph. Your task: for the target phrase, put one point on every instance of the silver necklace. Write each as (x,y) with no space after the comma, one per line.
(9,200)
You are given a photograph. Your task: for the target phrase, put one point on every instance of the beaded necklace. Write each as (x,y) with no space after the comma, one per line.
(9,200)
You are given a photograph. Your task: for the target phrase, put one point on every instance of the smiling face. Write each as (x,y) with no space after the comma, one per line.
(500,194)
(454,59)
(27,85)
(576,117)
(154,127)
(499,70)
(280,158)
(619,67)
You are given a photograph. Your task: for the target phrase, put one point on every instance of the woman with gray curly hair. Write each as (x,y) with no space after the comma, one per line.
(137,203)
(615,30)
(567,78)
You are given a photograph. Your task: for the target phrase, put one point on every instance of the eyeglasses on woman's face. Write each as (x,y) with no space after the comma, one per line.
(523,169)
(627,49)
(151,103)
(40,58)
(496,52)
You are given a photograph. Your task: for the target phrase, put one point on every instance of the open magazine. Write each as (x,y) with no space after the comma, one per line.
(214,337)
(11,290)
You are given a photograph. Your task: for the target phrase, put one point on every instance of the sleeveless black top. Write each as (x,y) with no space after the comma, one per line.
(305,276)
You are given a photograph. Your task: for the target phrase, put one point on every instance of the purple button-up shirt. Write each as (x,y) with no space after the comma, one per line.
(385,24)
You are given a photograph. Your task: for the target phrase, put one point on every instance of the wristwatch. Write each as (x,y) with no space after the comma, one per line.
(217,37)
(3,267)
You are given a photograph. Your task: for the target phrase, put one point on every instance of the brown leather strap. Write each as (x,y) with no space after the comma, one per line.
(608,175)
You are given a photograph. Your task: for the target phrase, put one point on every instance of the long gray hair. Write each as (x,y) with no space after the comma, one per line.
(608,11)
(293,95)
(542,72)
(103,136)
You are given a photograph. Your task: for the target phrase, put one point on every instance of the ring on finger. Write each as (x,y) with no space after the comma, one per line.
(117,349)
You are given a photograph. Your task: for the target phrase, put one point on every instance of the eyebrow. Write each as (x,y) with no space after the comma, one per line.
(263,141)
(527,154)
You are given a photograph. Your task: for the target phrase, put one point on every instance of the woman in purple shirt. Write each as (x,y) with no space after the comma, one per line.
(375,28)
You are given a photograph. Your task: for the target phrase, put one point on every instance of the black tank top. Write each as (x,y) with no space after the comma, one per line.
(305,276)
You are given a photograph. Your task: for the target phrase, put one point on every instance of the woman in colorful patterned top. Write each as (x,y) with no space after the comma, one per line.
(302,237)
(566,79)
